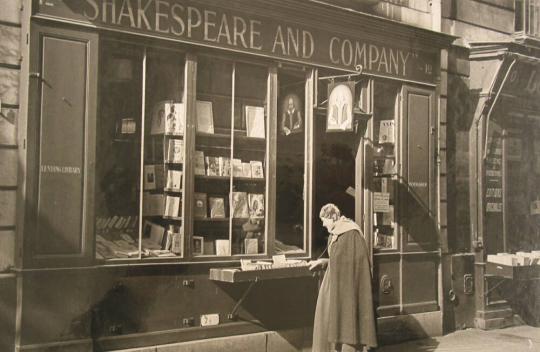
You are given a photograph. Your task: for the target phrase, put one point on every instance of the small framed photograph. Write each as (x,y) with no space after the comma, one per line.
(198,245)
(339,113)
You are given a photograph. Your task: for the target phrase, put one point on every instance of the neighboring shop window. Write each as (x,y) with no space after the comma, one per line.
(140,111)
(385,173)
(291,162)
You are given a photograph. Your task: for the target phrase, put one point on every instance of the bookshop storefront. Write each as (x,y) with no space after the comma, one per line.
(170,141)
(505,210)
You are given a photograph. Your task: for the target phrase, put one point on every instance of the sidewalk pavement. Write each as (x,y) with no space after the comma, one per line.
(515,339)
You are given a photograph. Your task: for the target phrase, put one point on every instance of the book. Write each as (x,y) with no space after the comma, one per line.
(217,207)
(177,245)
(224,166)
(256,205)
(175,151)
(153,232)
(172,206)
(209,247)
(168,241)
(251,245)
(237,168)
(153,177)
(246,170)
(388,167)
(153,204)
(200,168)
(222,247)
(257,170)
(157,124)
(255,121)
(174,180)
(212,165)
(174,118)
(198,245)
(205,117)
(239,205)
(386,131)
(388,217)
(200,205)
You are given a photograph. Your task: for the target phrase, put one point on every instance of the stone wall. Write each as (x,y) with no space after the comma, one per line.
(10,34)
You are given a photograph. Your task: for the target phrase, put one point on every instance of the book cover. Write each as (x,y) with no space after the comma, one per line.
(257,170)
(209,247)
(237,168)
(200,168)
(198,245)
(255,121)
(217,207)
(222,247)
(240,205)
(153,177)
(205,117)
(388,217)
(246,170)
(212,165)
(224,166)
(176,151)
(200,205)
(256,205)
(386,131)
(157,124)
(177,245)
(389,167)
(174,180)
(154,232)
(172,206)
(174,118)
(153,204)
(251,245)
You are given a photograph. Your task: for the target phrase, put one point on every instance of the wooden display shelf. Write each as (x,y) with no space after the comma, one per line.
(227,178)
(178,218)
(237,275)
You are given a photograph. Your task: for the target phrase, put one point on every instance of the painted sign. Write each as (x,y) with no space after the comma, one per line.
(194,22)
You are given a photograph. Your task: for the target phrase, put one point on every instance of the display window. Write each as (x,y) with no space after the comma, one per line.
(216,180)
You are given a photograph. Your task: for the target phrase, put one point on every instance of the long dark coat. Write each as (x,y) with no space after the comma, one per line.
(344,311)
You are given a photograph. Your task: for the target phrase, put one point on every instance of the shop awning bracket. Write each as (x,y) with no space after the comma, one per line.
(232,315)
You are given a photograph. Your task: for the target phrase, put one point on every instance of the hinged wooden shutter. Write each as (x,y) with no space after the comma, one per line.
(61,143)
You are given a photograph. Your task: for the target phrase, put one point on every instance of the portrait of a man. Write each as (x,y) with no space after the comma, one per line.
(291,116)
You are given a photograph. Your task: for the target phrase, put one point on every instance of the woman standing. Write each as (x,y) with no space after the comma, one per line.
(344,318)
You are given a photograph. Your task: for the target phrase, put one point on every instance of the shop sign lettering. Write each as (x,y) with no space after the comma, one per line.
(188,21)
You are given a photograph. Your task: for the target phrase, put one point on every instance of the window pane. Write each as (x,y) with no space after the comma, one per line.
(291,139)
(164,155)
(213,163)
(118,152)
(384,166)
(249,197)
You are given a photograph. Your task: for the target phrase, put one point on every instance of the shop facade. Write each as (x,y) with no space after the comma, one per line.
(168,140)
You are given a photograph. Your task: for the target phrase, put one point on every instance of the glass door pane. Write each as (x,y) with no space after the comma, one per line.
(385,178)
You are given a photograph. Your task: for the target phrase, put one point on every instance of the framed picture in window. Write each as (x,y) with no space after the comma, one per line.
(339,113)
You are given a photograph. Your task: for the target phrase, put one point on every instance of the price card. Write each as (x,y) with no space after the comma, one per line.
(381,202)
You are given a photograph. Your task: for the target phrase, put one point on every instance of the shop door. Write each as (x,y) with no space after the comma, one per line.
(60,146)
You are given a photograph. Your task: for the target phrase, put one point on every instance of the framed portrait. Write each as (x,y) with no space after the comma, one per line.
(339,113)
(292,118)
(198,245)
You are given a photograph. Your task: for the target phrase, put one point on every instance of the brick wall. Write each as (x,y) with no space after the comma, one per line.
(10,34)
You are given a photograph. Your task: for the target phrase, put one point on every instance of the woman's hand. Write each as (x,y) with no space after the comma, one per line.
(318,264)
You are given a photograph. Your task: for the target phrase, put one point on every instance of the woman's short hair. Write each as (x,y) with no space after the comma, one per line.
(330,211)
